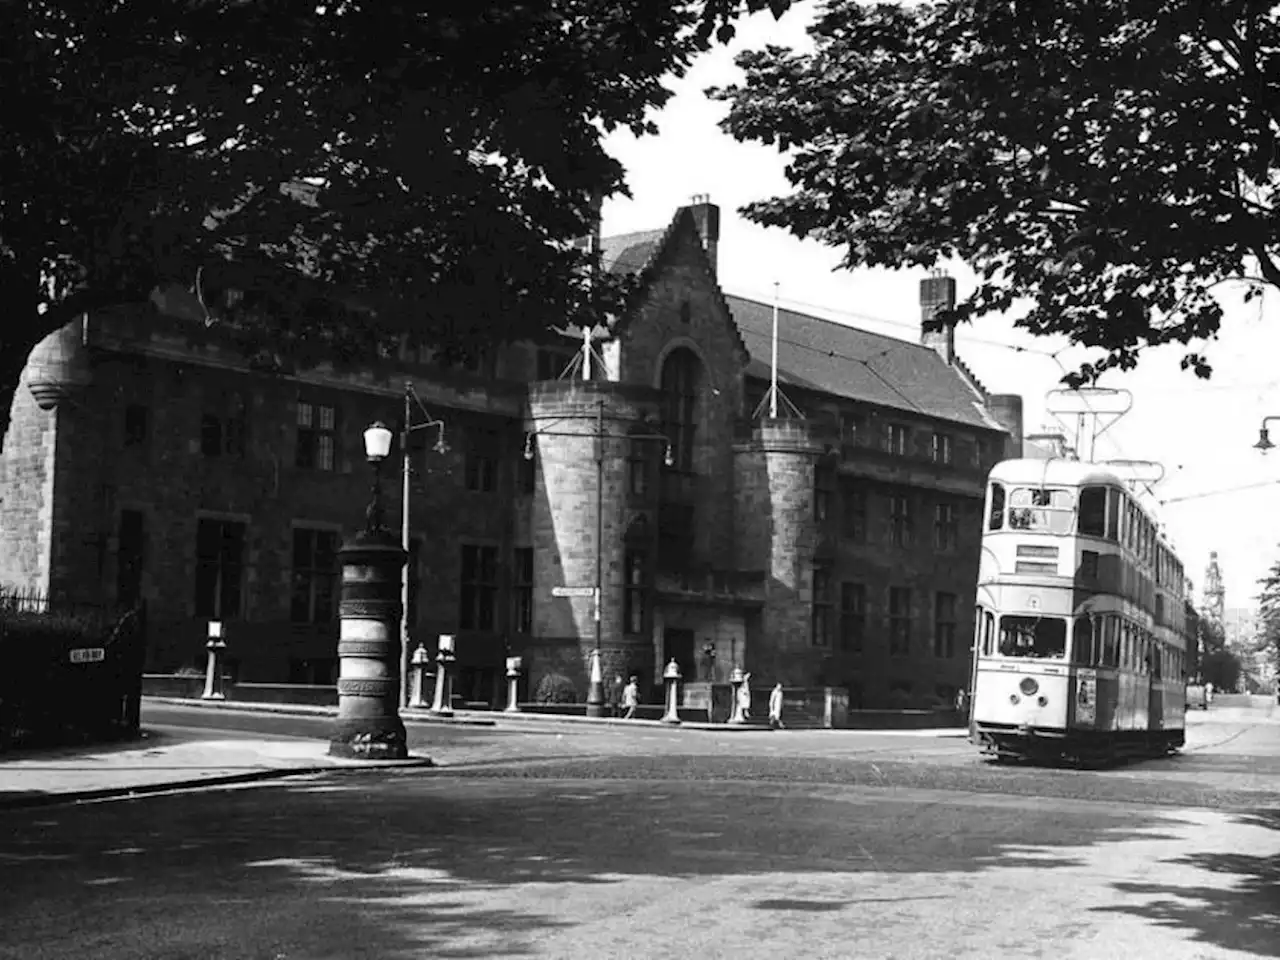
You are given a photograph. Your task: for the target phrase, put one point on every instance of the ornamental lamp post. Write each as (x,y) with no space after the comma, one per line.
(368,725)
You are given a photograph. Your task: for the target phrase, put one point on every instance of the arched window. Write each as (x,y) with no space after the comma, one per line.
(680,374)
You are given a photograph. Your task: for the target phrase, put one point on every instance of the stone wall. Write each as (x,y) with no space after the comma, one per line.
(27,490)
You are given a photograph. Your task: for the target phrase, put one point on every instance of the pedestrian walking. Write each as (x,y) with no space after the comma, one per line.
(615,696)
(1208,692)
(775,707)
(631,699)
(744,697)
(962,701)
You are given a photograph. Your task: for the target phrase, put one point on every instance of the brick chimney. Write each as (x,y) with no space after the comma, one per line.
(938,293)
(707,215)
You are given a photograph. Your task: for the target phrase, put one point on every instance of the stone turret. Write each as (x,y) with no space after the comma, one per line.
(565,418)
(776,532)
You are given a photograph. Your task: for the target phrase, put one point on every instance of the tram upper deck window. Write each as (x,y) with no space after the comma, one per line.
(1093,512)
(1041,509)
(995,516)
(1039,638)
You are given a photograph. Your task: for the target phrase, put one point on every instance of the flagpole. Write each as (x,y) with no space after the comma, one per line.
(773,365)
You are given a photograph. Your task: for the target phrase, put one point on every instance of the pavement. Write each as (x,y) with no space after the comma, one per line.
(201,745)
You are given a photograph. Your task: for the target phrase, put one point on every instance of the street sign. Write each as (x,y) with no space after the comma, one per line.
(88,655)
(573,591)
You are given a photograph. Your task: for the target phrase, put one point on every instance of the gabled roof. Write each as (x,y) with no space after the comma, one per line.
(638,255)
(829,357)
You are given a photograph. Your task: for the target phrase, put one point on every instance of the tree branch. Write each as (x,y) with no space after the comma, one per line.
(1270,271)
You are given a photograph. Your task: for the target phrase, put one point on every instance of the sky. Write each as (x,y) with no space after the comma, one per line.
(1218,493)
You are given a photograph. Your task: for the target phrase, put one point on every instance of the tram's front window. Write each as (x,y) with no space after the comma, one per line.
(1038,638)
(1041,510)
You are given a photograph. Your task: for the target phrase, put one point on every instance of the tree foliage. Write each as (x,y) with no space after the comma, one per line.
(1269,618)
(1110,161)
(432,160)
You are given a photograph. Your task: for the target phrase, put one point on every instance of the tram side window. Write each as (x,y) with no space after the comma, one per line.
(1092,520)
(1114,499)
(1038,638)
(988,633)
(995,519)
(1082,642)
(1110,641)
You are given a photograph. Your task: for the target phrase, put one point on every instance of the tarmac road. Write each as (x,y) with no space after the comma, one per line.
(674,844)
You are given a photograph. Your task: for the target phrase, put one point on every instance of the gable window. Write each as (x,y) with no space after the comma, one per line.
(945,531)
(223,433)
(822,608)
(477,600)
(317,437)
(315,576)
(900,519)
(680,375)
(853,616)
(944,625)
(522,591)
(219,568)
(895,435)
(941,449)
(899,621)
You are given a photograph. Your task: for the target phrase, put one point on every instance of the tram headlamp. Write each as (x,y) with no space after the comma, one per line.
(1028,687)
(1043,700)
(1014,698)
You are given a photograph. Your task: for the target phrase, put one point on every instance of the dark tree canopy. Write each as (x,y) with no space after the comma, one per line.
(1111,161)
(452,149)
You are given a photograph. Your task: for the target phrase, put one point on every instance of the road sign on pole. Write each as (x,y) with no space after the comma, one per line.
(573,591)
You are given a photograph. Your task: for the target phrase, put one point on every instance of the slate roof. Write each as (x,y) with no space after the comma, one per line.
(826,356)
(830,357)
(631,252)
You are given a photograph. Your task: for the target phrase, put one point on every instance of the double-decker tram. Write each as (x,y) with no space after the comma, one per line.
(1080,633)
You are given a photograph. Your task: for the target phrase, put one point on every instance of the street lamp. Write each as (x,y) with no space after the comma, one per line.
(595,693)
(406,470)
(377,445)
(1264,439)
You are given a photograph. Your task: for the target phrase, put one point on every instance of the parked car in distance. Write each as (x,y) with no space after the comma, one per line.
(1196,696)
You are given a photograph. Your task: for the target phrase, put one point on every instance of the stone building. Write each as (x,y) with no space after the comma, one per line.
(836,545)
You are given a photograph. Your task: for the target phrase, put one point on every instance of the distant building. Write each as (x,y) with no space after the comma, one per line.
(148,460)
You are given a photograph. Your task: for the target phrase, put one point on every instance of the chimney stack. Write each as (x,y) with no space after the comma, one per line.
(938,293)
(707,215)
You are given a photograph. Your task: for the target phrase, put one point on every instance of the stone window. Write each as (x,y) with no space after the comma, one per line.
(477,599)
(900,522)
(822,607)
(942,452)
(944,625)
(895,436)
(220,557)
(680,382)
(522,591)
(638,467)
(136,425)
(853,616)
(222,430)
(824,483)
(899,621)
(481,470)
(317,437)
(634,591)
(852,426)
(853,511)
(945,530)
(314,586)
(130,556)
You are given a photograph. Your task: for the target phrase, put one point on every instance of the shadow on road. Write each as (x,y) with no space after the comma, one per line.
(454,867)
(1240,913)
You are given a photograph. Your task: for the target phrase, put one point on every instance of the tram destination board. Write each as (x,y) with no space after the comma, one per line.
(573,591)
